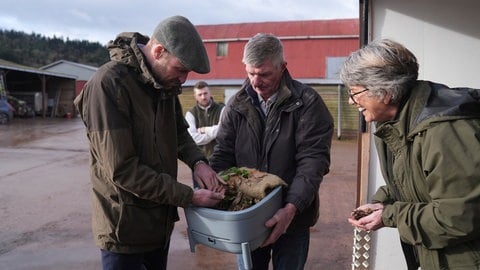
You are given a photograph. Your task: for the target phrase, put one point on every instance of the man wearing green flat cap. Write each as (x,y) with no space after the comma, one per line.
(136,130)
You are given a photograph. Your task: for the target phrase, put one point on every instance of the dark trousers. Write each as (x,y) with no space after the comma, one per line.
(290,252)
(153,260)
(410,256)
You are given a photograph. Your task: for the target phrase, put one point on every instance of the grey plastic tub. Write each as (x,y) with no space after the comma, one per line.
(236,232)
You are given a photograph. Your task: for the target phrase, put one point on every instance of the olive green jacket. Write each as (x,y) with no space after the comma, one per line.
(430,159)
(136,132)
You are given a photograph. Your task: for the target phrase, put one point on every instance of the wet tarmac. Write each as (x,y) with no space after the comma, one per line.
(45,204)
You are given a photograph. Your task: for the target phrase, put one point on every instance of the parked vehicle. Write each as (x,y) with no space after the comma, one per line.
(33,99)
(21,108)
(6,112)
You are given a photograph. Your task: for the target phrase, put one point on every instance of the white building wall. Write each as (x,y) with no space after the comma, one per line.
(443,34)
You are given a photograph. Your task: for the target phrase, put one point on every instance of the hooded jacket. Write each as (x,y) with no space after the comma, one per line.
(430,159)
(292,142)
(136,132)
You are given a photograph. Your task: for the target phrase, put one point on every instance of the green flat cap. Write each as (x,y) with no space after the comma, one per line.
(178,35)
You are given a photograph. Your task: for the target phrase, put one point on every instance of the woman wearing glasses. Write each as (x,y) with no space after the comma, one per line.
(428,142)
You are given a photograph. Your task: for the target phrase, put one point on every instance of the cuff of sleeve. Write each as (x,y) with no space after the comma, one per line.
(388,216)
(187,200)
(198,162)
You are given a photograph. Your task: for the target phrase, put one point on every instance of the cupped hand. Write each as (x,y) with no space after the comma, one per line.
(207,178)
(206,198)
(371,222)
(280,222)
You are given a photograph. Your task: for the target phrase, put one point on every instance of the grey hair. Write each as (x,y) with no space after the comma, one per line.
(263,47)
(384,67)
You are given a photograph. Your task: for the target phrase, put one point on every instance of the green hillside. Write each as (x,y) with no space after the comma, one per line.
(35,50)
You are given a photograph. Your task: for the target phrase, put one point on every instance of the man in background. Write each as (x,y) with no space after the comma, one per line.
(203,118)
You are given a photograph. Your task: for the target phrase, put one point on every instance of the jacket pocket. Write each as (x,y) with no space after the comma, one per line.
(143,223)
(463,256)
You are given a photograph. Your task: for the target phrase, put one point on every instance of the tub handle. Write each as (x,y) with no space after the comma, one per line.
(211,240)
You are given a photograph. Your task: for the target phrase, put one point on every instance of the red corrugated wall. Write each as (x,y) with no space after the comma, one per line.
(307,44)
(79,86)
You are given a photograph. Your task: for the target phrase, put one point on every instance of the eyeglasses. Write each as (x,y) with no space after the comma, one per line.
(351,96)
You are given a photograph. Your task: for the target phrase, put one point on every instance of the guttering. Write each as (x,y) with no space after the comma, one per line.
(284,38)
(38,71)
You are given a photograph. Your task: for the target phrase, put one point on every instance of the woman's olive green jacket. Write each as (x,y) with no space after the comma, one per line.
(430,159)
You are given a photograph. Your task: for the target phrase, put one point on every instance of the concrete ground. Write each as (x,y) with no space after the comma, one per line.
(45,204)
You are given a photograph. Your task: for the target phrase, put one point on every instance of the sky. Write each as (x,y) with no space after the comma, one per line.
(101,20)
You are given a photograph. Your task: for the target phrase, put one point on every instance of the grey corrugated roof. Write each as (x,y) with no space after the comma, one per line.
(92,68)
(4,64)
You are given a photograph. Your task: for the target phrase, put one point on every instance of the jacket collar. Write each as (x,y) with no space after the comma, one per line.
(126,49)
(284,91)
(430,102)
